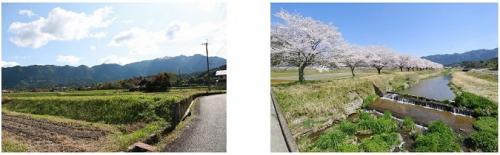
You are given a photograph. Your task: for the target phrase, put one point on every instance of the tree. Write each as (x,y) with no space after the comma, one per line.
(402,61)
(380,57)
(302,41)
(350,56)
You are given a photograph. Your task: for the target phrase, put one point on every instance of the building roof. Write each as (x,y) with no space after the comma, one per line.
(220,72)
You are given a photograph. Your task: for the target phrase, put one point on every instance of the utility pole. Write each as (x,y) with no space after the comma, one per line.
(208,67)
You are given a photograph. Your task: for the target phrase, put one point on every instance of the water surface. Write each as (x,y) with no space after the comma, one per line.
(434,88)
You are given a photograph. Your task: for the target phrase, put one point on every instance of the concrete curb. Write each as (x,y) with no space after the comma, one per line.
(188,111)
(290,141)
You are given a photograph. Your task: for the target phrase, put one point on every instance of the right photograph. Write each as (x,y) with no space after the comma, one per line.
(384,77)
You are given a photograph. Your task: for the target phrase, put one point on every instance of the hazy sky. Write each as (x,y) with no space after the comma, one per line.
(95,33)
(417,29)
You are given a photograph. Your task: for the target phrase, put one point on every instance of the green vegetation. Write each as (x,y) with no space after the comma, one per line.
(11,146)
(127,116)
(124,140)
(481,105)
(369,99)
(330,141)
(408,124)
(385,124)
(438,138)
(489,63)
(343,137)
(486,136)
(380,143)
(106,109)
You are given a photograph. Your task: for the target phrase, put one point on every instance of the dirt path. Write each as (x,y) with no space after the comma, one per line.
(47,136)
(207,132)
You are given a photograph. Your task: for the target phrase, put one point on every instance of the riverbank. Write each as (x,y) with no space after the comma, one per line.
(469,82)
(314,106)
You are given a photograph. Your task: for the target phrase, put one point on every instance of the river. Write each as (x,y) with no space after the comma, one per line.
(433,88)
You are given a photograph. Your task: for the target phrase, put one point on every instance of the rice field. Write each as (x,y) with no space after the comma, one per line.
(85,121)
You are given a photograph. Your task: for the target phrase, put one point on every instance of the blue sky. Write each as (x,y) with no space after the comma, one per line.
(416,29)
(96,33)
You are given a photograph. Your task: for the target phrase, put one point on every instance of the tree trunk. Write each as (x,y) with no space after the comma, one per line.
(352,71)
(378,70)
(401,68)
(301,72)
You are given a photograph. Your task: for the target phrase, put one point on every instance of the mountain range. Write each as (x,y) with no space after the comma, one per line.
(474,55)
(46,76)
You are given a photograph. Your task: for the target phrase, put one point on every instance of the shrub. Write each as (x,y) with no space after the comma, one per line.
(408,124)
(384,124)
(330,141)
(348,127)
(486,141)
(365,116)
(368,100)
(481,105)
(489,124)
(380,143)
(438,138)
(486,137)
(347,148)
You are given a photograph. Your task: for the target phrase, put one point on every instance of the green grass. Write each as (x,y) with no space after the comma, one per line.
(438,138)
(12,146)
(341,138)
(98,106)
(481,105)
(124,140)
(486,136)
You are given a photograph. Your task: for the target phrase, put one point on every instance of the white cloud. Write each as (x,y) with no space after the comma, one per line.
(68,59)
(113,59)
(60,24)
(142,42)
(9,64)
(98,35)
(93,48)
(28,13)
(138,41)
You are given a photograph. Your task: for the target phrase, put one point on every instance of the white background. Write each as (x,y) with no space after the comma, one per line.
(248,53)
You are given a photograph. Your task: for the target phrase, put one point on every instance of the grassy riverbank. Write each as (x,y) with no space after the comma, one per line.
(477,83)
(315,105)
(478,90)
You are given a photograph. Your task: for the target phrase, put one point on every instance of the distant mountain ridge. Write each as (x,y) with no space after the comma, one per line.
(46,76)
(474,55)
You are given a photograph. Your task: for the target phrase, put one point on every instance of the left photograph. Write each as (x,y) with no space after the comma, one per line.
(113,77)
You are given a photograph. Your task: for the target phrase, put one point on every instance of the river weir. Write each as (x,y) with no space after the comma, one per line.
(429,107)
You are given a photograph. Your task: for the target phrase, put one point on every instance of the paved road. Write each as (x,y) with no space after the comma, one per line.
(278,143)
(207,132)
